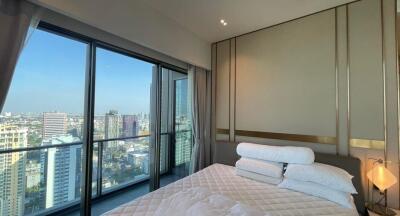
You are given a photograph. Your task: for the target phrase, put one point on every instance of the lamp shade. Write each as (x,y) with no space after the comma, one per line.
(381,177)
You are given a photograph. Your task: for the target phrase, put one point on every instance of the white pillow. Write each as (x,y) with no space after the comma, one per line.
(340,197)
(284,154)
(268,168)
(323,174)
(258,177)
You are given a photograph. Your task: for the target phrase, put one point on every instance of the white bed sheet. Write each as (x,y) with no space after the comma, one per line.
(222,179)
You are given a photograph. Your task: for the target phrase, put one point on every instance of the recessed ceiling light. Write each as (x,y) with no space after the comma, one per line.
(222,21)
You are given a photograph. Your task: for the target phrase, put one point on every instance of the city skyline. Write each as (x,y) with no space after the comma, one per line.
(51,177)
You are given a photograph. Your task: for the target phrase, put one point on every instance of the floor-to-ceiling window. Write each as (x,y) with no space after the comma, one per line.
(42,123)
(182,127)
(41,126)
(122,118)
(176,147)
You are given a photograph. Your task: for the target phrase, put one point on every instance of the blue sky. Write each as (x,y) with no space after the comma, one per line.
(50,76)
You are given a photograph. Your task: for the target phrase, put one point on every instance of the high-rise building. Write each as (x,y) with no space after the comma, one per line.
(181,98)
(183,147)
(183,134)
(32,171)
(139,160)
(12,170)
(111,130)
(111,125)
(60,168)
(129,125)
(54,124)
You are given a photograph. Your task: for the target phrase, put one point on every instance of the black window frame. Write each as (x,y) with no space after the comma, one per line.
(88,143)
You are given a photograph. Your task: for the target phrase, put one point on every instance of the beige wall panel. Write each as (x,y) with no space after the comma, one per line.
(213,86)
(285,78)
(366,80)
(232,88)
(342,80)
(392,145)
(222,85)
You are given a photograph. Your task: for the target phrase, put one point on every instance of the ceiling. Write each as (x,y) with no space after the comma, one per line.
(184,29)
(202,17)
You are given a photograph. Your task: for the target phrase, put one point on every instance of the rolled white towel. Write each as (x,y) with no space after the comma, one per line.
(258,177)
(268,168)
(284,154)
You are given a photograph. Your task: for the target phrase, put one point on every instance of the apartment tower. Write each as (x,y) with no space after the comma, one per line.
(12,170)
(54,124)
(129,125)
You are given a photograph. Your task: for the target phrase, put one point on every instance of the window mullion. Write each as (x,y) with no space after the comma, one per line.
(87,147)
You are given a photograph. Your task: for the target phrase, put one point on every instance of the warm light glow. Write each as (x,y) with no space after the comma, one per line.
(222,21)
(381,177)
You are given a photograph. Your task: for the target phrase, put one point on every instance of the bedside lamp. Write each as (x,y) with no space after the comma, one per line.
(382,179)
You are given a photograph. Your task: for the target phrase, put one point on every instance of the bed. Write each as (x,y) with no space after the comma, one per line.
(221,179)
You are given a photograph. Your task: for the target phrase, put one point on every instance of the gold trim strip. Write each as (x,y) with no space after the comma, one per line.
(398,80)
(384,81)
(336,82)
(369,144)
(222,131)
(348,79)
(234,95)
(290,137)
(229,95)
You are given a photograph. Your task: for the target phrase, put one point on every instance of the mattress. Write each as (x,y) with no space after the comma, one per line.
(222,179)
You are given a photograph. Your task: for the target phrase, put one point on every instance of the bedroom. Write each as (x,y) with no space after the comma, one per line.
(101,106)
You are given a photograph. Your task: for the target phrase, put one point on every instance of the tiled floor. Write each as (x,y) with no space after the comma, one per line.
(113,201)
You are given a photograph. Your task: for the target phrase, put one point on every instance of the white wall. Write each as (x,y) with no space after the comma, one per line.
(136,22)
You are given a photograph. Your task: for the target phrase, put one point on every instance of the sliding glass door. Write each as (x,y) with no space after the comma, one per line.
(122,120)
(183,135)
(176,135)
(142,128)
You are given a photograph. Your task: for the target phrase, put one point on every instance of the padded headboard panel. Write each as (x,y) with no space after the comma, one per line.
(225,153)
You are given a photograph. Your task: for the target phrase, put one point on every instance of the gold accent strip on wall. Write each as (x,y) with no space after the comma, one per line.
(222,131)
(336,82)
(234,105)
(369,144)
(384,82)
(398,80)
(348,79)
(290,137)
(229,95)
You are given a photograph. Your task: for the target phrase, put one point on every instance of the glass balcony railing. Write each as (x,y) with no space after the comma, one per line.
(123,162)
(48,177)
(40,179)
(183,146)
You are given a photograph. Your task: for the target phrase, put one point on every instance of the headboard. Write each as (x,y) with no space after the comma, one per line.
(225,153)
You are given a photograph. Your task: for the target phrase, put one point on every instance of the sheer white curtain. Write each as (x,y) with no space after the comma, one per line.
(200,92)
(18,19)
